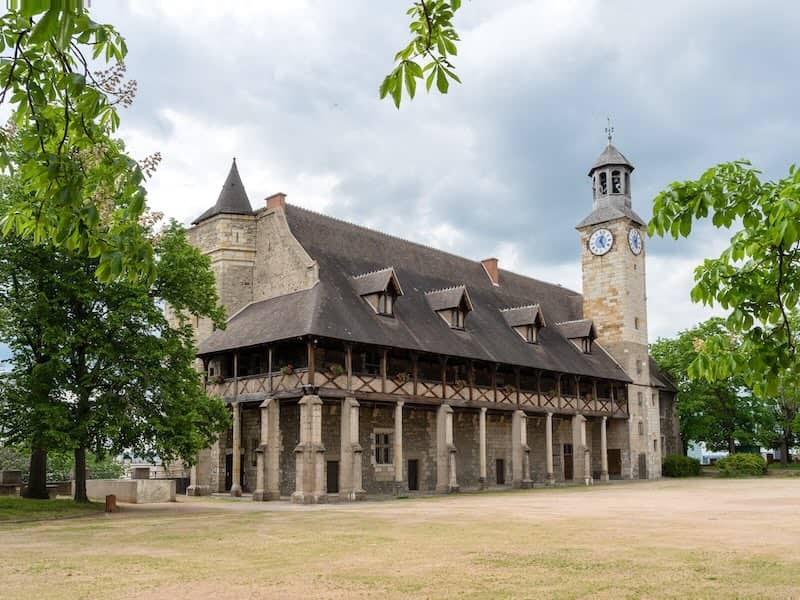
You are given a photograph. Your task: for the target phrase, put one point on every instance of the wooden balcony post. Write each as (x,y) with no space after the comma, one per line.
(236,375)
(494,382)
(471,381)
(538,388)
(269,367)
(443,363)
(348,364)
(558,390)
(415,371)
(517,381)
(311,362)
(594,393)
(384,360)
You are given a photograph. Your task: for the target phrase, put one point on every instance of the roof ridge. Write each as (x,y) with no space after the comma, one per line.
(389,268)
(535,305)
(574,321)
(446,289)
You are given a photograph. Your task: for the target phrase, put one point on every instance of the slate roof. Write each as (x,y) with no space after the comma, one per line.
(603,214)
(333,309)
(580,328)
(523,315)
(376,281)
(610,157)
(448,298)
(660,379)
(232,198)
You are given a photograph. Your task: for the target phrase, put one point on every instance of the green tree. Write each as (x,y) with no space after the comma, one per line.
(119,373)
(756,278)
(83,192)
(720,412)
(427,56)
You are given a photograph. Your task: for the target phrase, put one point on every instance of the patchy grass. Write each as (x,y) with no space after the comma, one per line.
(658,539)
(23,509)
(776,466)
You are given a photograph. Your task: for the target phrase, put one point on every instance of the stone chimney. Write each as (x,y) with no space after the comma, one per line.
(490,266)
(276,201)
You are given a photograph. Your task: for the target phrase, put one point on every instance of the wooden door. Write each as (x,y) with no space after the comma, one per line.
(413,475)
(642,466)
(333,477)
(228,472)
(614,462)
(500,471)
(568,473)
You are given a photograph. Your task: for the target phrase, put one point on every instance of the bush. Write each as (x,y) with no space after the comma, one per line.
(742,465)
(676,465)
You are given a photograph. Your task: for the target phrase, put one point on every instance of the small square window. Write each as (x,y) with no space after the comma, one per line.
(636,322)
(641,428)
(383,448)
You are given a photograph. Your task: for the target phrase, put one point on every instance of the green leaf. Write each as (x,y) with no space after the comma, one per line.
(46,27)
(441,80)
(411,82)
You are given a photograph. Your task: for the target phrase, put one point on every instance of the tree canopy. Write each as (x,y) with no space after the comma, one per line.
(82,191)
(98,365)
(756,278)
(428,55)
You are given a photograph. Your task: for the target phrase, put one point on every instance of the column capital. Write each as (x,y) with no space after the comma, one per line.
(266,403)
(400,403)
(310,399)
(484,409)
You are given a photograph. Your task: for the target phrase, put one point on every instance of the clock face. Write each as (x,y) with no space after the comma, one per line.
(635,241)
(601,241)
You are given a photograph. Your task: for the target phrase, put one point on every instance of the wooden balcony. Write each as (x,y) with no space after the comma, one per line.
(339,381)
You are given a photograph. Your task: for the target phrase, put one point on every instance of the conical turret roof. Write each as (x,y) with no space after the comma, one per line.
(232,198)
(610,157)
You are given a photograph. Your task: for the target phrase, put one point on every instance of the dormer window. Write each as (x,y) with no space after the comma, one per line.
(451,304)
(380,289)
(581,333)
(386,303)
(526,321)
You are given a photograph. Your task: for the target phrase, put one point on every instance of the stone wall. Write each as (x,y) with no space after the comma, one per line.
(290,437)
(283,265)
(466,437)
(332,432)
(251,438)
(377,478)
(498,446)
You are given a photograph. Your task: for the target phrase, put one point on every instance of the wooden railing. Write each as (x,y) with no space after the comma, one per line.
(374,384)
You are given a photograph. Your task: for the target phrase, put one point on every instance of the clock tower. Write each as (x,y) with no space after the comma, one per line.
(615,298)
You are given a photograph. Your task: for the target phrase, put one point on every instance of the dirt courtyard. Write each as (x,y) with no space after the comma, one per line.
(702,537)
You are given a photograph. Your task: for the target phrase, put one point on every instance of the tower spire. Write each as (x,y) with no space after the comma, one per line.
(609,130)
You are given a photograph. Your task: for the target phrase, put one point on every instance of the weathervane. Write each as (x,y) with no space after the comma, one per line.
(609,130)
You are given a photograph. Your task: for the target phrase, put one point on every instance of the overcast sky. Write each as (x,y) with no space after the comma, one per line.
(497,167)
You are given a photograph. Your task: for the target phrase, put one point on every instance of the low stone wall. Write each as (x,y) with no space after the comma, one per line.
(132,491)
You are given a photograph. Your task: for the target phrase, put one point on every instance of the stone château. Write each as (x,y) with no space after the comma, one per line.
(359,364)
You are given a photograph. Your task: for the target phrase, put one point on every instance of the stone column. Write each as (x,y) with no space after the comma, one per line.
(399,480)
(520,469)
(199,484)
(350,463)
(446,480)
(482,433)
(603,450)
(310,454)
(268,453)
(548,449)
(581,459)
(236,475)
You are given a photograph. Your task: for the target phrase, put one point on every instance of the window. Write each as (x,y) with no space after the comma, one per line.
(636,322)
(603,183)
(586,345)
(655,446)
(457,318)
(616,182)
(639,367)
(383,448)
(639,398)
(531,334)
(641,428)
(653,398)
(253,455)
(386,303)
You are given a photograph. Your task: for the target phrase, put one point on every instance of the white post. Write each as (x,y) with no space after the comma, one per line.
(236,487)
(603,450)
(482,432)
(398,449)
(548,448)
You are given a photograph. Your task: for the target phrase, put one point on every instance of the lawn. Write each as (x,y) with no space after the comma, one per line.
(16,509)
(689,538)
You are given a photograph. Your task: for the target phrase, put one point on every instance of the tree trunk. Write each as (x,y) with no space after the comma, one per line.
(784,452)
(37,479)
(80,475)
(731,445)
